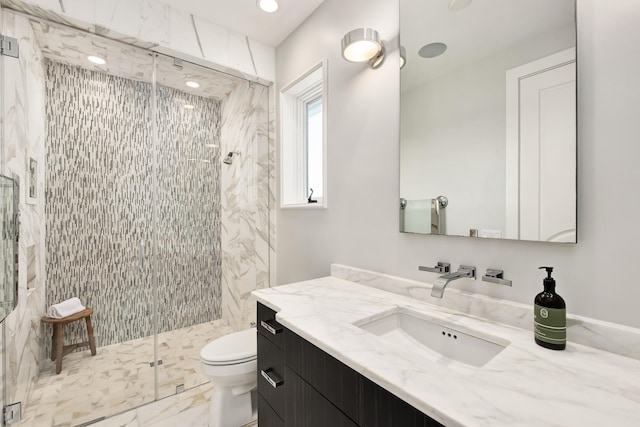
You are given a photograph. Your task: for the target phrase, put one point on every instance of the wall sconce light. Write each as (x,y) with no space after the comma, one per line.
(362,45)
(403,57)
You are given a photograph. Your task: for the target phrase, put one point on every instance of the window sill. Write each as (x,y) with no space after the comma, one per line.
(303,206)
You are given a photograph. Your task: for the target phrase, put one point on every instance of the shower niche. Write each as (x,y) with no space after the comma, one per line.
(9,227)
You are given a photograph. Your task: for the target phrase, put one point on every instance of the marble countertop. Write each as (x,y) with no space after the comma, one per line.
(524,385)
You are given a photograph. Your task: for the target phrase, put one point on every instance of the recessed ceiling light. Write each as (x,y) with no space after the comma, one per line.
(193,84)
(96,60)
(268,6)
(189,107)
(432,50)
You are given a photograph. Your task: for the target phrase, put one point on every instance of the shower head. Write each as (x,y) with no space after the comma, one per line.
(229,159)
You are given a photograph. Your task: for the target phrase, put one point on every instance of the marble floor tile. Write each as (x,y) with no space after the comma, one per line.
(188,409)
(119,379)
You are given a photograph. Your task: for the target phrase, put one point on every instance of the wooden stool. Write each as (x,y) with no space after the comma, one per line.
(58,349)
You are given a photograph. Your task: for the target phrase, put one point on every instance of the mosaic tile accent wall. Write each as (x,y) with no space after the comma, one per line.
(99,203)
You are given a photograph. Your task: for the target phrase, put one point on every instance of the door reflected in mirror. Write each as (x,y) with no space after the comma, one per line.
(488,119)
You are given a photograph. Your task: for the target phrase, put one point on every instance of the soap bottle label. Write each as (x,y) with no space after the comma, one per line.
(550,324)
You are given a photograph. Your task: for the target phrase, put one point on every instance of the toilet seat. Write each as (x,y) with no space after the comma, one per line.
(232,349)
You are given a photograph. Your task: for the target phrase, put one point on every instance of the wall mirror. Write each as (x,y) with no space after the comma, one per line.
(488,118)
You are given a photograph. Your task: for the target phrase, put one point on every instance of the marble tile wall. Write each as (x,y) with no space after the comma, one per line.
(247,200)
(23,130)
(153,25)
(100,203)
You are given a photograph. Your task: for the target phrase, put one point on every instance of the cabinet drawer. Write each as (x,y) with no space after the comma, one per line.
(305,407)
(333,379)
(271,374)
(267,417)
(269,327)
(381,408)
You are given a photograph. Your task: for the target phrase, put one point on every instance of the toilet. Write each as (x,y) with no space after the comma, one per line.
(230,362)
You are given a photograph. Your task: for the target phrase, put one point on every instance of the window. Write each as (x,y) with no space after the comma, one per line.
(303,140)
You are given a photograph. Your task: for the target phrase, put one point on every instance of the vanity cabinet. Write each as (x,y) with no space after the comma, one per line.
(317,390)
(270,369)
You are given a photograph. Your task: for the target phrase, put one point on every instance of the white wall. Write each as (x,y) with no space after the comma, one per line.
(596,276)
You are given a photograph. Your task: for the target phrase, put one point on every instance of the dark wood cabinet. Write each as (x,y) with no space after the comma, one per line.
(271,384)
(306,406)
(316,389)
(271,374)
(269,327)
(384,409)
(268,417)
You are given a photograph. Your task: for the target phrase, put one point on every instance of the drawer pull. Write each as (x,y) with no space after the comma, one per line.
(272,378)
(270,328)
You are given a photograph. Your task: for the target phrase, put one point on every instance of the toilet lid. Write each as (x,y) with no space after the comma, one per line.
(233,348)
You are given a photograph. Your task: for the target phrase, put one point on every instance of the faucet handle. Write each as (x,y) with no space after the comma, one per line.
(469,270)
(496,276)
(441,267)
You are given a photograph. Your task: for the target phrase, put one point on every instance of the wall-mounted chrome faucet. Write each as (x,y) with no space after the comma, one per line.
(441,282)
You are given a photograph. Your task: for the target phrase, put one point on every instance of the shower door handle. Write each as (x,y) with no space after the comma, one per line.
(141,254)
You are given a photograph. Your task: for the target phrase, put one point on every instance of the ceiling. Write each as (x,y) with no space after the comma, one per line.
(70,46)
(483,29)
(244,16)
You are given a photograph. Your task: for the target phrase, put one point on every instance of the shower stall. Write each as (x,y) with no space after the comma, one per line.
(136,209)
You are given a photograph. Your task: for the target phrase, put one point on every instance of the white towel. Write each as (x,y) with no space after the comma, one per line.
(65,308)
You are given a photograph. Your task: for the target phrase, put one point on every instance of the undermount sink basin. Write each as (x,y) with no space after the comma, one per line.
(433,338)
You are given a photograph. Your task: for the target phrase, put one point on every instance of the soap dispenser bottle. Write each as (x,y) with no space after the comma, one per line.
(550,316)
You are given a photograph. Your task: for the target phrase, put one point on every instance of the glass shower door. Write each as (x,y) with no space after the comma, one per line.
(2,120)
(212,212)
(187,209)
(99,219)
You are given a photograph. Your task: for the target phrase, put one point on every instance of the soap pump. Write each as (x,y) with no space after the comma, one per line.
(550,316)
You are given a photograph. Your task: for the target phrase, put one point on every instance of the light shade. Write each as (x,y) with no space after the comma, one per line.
(360,45)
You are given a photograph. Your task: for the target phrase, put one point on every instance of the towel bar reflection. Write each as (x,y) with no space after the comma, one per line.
(438,224)
(424,216)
